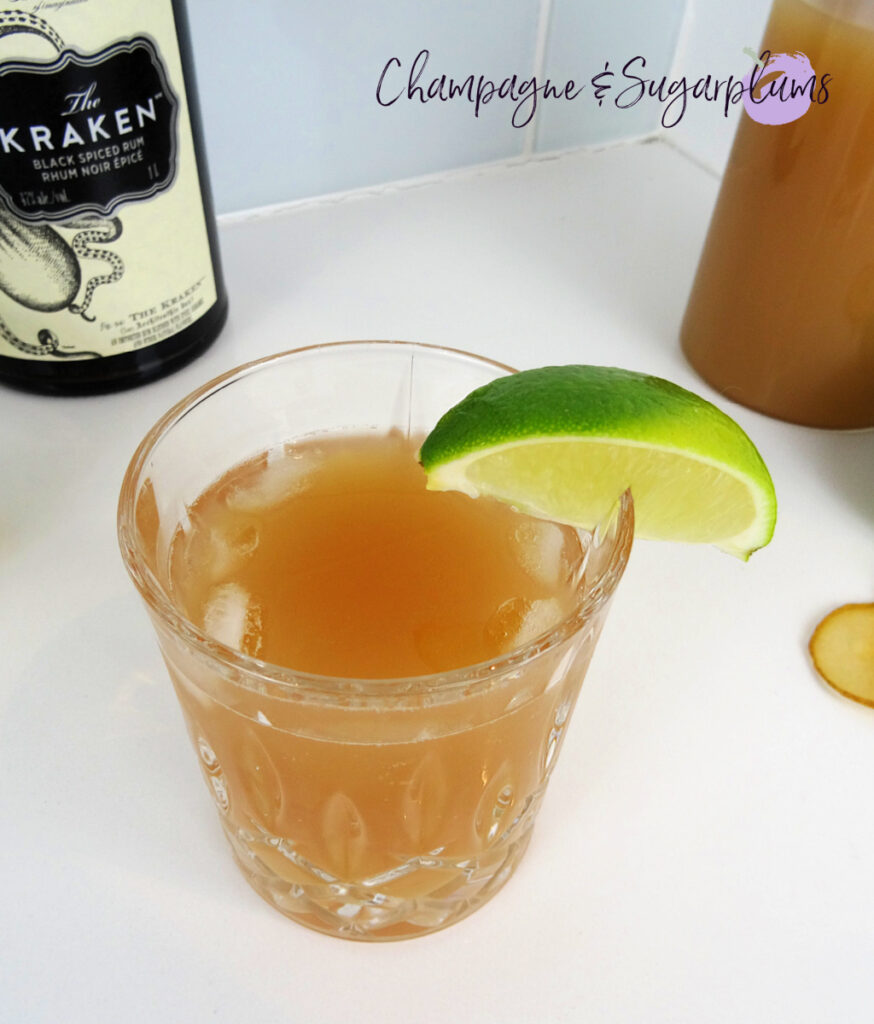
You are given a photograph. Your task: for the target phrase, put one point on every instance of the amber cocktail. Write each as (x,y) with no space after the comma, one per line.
(376,678)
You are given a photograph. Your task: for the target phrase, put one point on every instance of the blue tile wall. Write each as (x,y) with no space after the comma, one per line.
(288,88)
(584,35)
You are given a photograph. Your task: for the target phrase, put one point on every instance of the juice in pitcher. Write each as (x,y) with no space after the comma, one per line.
(781,314)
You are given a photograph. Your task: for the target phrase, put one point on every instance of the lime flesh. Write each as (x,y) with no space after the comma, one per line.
(563,442)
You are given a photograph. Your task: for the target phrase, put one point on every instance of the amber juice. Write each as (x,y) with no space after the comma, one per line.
(376,679)
(331,558)
(781,314)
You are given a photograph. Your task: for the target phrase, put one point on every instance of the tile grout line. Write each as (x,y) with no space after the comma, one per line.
(544,19)
(684,33)
(679,60)
(361,192)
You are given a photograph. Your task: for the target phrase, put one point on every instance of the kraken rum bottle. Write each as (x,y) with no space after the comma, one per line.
(109,262)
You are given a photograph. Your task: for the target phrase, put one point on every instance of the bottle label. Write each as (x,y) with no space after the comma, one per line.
(66,154)
(103,238)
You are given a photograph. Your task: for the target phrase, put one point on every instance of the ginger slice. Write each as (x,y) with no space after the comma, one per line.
(842,648)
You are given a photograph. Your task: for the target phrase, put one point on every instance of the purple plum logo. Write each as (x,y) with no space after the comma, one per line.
(780,88)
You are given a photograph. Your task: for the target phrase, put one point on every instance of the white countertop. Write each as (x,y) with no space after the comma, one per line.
(705,850)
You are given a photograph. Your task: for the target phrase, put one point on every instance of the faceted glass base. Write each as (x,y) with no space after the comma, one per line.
(422,896)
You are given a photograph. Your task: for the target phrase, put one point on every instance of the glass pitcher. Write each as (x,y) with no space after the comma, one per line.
(781,313)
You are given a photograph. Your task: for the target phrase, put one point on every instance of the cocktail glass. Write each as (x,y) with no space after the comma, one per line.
(364,808)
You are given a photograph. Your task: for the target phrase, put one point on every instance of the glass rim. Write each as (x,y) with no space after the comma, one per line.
(253,673)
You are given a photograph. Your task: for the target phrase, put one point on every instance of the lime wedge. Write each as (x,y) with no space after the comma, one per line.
(563,442)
